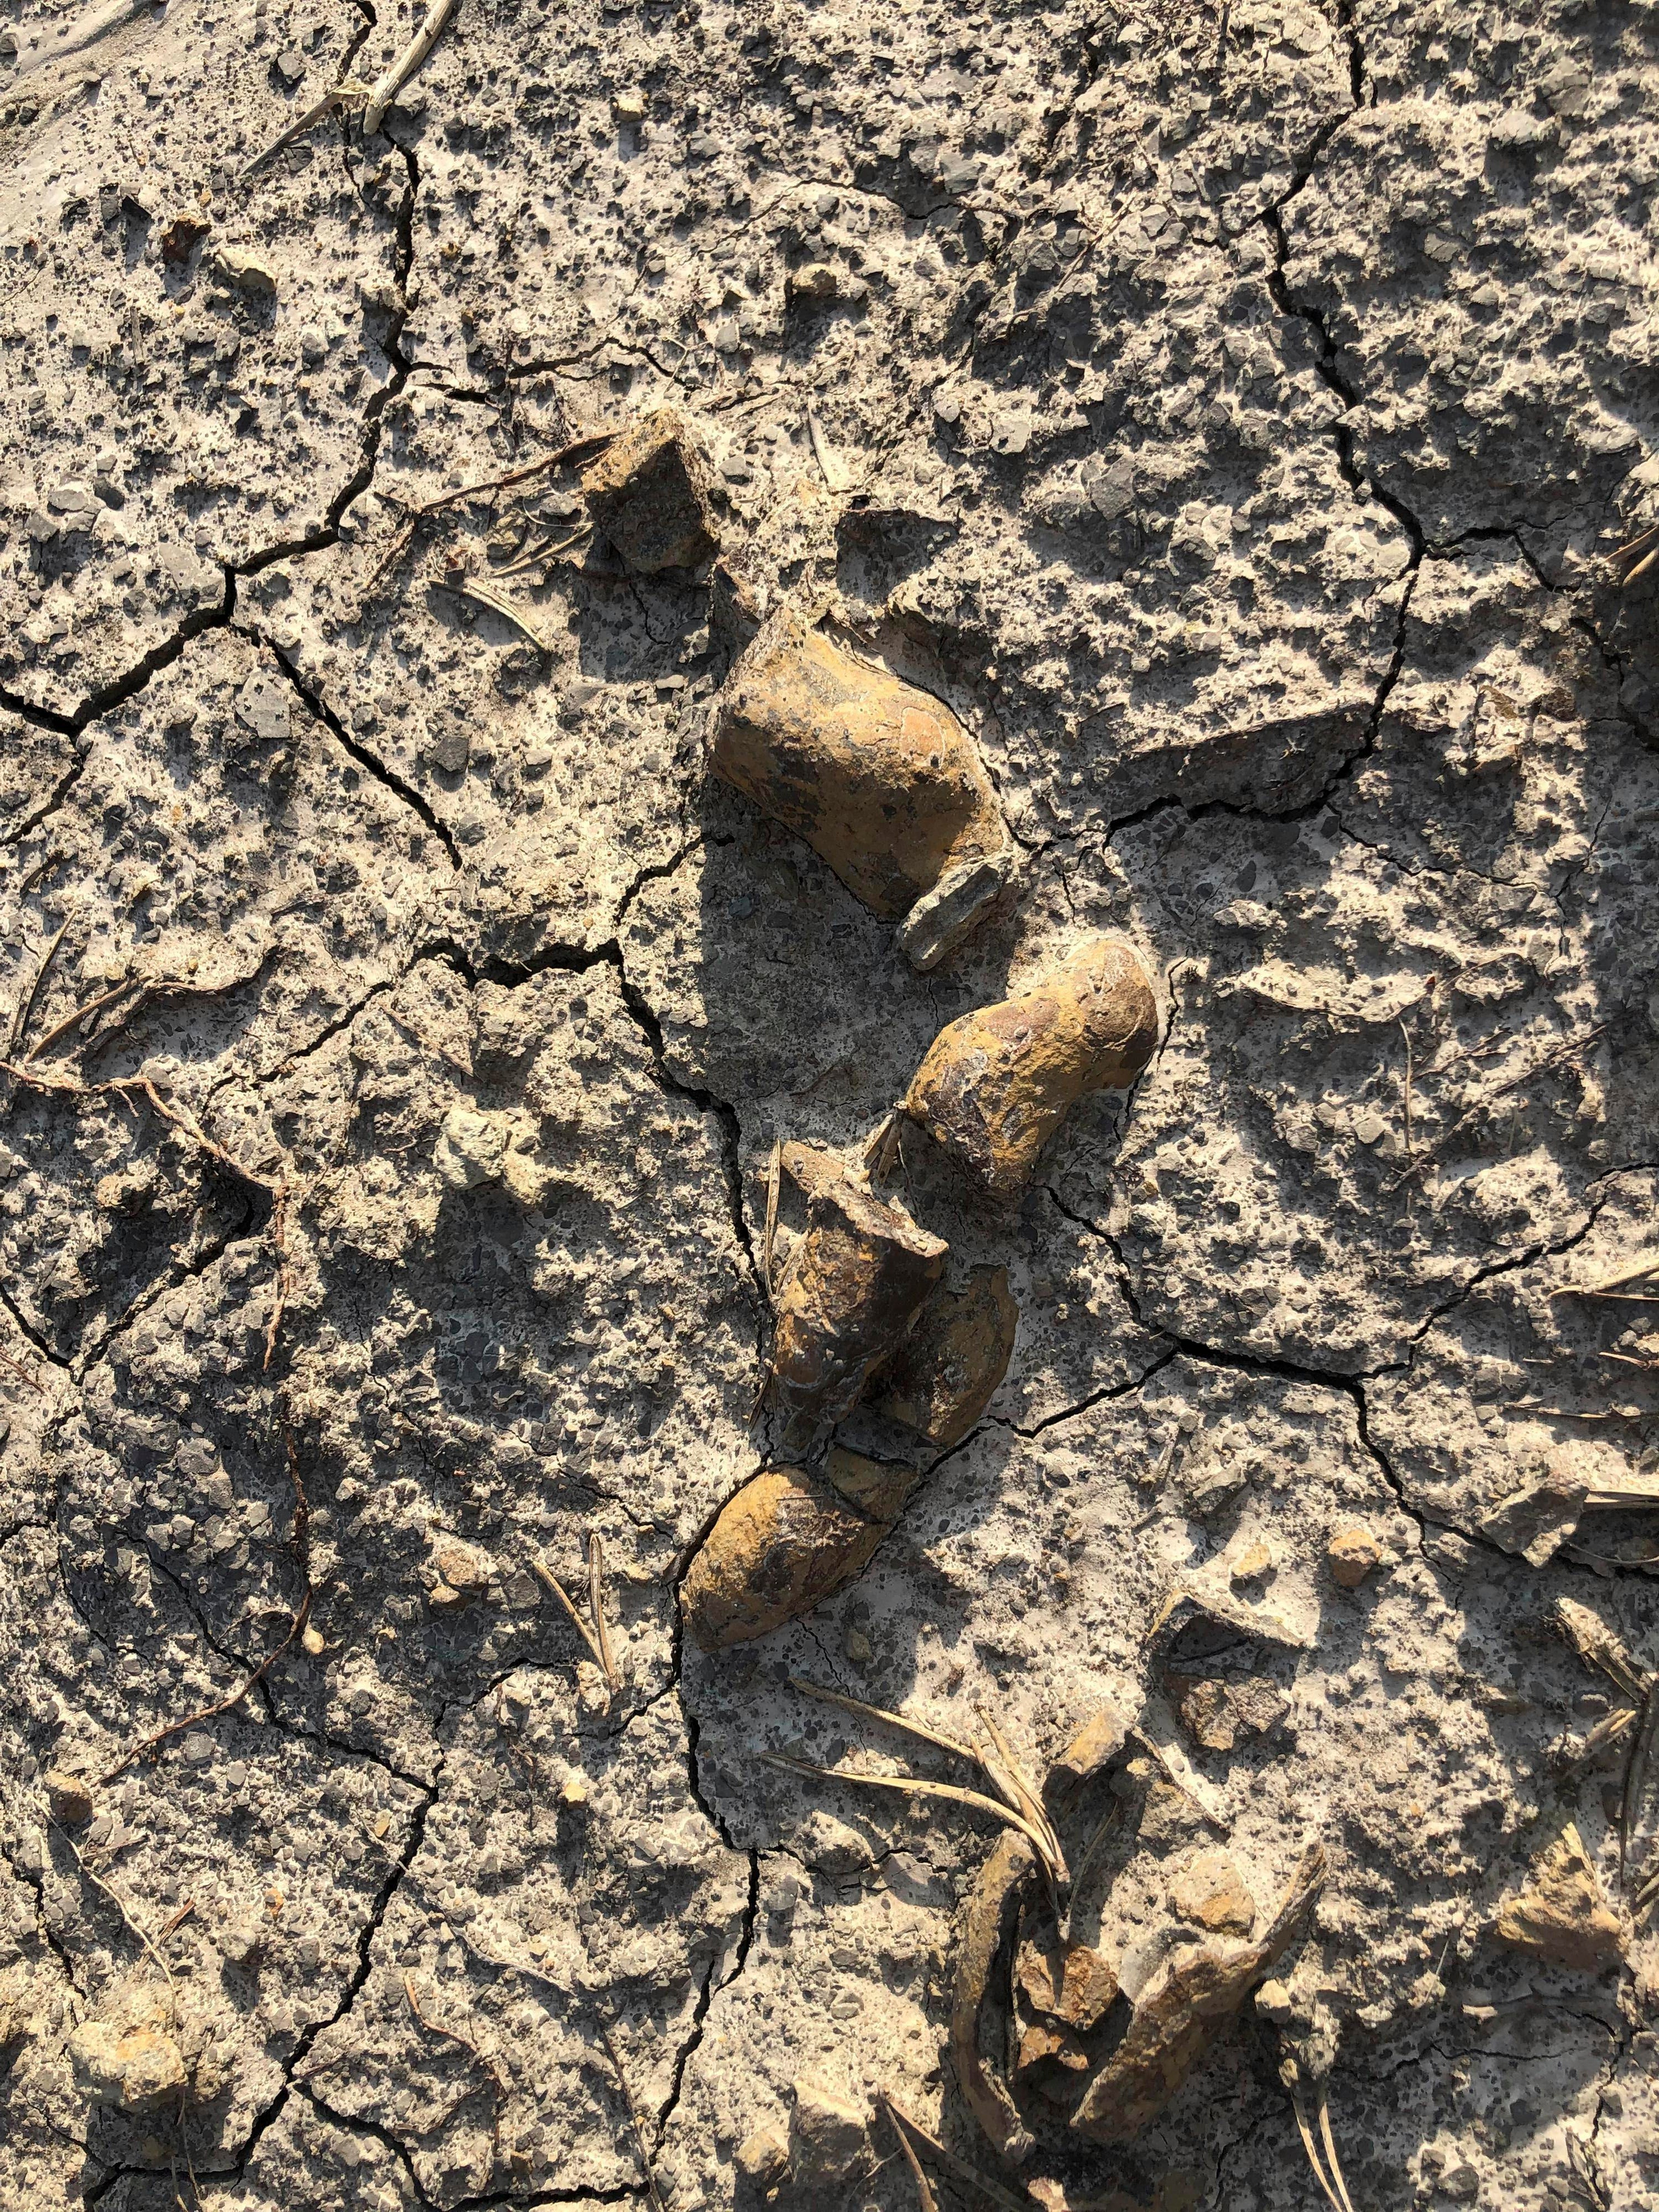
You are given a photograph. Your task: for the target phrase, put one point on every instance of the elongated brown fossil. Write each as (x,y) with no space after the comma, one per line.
(789,1539)
(854,1285)
(996,1085)
(880,779)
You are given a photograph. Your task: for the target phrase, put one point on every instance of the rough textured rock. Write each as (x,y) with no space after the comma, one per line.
(997,1085)
(1227,421)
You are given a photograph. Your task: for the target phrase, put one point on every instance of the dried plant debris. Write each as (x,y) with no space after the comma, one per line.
(789,1539)
(997,1085)
(1187,2004)
(1562,1913)
(854,1287)
(650,494)
(879,778)
(953,1361)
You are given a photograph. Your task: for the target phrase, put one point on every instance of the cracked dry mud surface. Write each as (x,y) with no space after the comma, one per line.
(1229,413)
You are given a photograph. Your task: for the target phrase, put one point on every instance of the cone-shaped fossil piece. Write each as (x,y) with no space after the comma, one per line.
(855,1283)
(949,1366)
(996,1085)
(879,778)
(786,1541)
(649,494)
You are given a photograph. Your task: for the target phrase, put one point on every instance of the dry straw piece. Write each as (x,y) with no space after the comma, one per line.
(880,779)
(996,1085)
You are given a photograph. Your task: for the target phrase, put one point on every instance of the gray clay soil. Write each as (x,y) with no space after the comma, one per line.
(1235,416)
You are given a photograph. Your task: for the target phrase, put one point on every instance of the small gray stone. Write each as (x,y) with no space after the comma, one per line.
(262,706)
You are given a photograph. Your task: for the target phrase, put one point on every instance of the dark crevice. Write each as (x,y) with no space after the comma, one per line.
(706,1995)
(386,776)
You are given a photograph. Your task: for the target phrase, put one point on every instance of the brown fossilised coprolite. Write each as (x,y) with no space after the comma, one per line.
(949,1368)
(879,778)
(786,1541)
(649,494)
(996,1085)
(855,1283)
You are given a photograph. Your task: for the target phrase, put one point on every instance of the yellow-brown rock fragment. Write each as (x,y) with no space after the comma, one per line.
(1209,1891)
(649,494)
(995,1085)
(854,1285)
(786,1541)
(1187,2004)
(952,1364)
(879,778)
(1563,1914)
(990,1909)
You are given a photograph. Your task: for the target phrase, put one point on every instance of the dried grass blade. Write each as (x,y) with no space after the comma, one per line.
(1616,1281)
(389,86)
(991,2190)
(918,1729)
(925,2200)
(485,597)
(974,1798)
(1331,2159)
(596,1603)
(773,1177)
(1640,569)
(1025,1798)
(1636,1776)
(563,1596)
(1308,2145)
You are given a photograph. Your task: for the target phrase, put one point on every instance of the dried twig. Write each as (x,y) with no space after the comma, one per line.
(587,447)
(595,1605)
(127,1086)
(500,2080)
(26,1005)
(1406,1035)
(121,1906)
(285,1276)
(643,2155)
(176,1920)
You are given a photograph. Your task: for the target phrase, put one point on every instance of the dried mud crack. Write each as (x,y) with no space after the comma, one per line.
(1237,430)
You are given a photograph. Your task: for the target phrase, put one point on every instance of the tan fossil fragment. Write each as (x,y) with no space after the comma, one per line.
(649,492)
(879,777)
(990,1910)
(1562,1914)
(996,1085)
(954,1358)
(789,1539)
(1189,2002)
(854,1285)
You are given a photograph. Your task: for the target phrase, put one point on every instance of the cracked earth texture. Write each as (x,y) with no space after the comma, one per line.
(1229,413)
